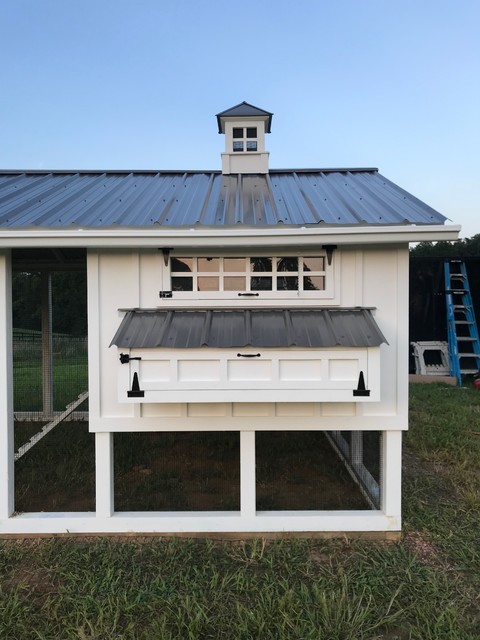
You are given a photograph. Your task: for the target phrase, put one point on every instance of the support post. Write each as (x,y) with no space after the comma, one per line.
(104,487)
(392,474)
(47,346)
(7,477)
(247,474)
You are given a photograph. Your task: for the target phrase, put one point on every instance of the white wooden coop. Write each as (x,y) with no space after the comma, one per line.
(247,300)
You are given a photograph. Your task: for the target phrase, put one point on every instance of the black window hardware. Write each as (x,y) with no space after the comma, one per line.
(248,355)
(249,294)
(125,358)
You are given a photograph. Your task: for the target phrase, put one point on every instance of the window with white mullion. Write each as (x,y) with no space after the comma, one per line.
(286,276)
(245,139)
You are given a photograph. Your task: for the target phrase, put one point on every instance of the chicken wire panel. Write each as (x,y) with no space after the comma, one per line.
(303,470)
(177,471)
(44,383)
(361,453)
(58,473)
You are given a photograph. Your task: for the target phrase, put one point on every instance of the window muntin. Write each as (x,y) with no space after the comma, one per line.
(244,139)
(285,275)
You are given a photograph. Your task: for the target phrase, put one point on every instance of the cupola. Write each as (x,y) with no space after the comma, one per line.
(244,127)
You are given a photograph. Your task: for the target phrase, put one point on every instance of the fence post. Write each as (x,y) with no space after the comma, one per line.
(47,345)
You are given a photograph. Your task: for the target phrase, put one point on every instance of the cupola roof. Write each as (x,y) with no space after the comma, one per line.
(244,110)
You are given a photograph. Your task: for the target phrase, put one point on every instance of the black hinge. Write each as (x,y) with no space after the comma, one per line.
(165,294)
(361,390)
(135,391)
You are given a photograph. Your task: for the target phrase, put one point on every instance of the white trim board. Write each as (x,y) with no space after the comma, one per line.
(199,522)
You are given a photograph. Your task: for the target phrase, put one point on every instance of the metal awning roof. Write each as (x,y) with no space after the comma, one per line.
(121,201)
(224,328)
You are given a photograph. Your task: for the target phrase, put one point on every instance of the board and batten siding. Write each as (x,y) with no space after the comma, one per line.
(364,277)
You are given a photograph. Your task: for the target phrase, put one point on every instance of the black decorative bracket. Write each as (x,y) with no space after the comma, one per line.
(135,391)
(166,255)
(329,248)
(361,390)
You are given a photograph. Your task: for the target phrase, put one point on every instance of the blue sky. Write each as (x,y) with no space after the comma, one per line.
(116,84)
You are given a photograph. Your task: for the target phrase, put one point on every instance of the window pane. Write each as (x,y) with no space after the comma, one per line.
(234,264)
(251,146)
(314,283)
(238,146)
(261,264)
(261,283)
(207,283)
(289,283)
(209,264)
(314,264)
(182,264)
(182,284)
(251,132)
(287,264)
(238,132)
(234,283)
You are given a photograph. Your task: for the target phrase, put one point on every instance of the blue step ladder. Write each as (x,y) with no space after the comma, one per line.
(463,340)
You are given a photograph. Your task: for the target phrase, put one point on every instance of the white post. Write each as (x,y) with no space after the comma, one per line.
(391,486)
(247,474)
(7,478)
(104,484)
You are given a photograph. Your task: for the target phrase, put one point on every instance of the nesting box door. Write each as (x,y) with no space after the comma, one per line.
(250,375)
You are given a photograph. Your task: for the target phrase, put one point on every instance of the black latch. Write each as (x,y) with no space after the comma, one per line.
(135,391)
(361,390)
(125,358)
(165,294)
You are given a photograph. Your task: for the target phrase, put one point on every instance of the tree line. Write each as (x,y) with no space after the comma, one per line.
(467,247)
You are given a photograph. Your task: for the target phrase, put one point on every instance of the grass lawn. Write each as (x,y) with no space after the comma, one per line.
(424,587)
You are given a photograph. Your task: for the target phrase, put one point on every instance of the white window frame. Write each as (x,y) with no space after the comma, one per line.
(330,274)
(244,140)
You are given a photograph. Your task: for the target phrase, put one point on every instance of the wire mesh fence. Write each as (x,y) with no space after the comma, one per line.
(46,380)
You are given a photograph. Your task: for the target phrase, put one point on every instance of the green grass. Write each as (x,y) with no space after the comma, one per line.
(424,587)
(70,370)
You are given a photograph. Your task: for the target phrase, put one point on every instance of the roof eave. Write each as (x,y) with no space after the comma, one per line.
(226,237)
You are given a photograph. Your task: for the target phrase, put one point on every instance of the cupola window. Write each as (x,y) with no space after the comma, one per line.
(245,139)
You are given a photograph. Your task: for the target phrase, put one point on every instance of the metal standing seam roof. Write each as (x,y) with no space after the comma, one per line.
(226,328)
(145,199)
